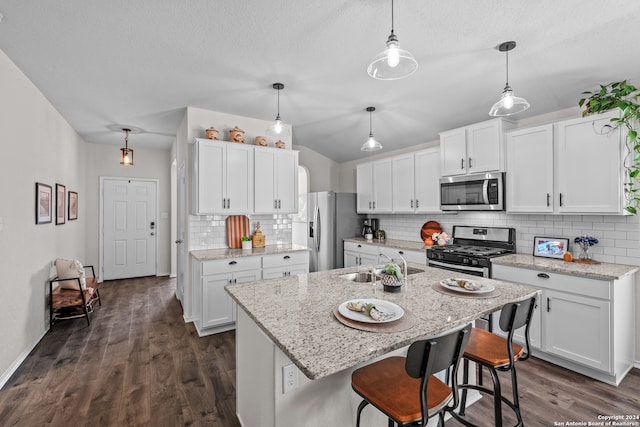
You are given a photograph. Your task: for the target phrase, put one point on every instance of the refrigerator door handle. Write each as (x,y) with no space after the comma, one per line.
(318,228)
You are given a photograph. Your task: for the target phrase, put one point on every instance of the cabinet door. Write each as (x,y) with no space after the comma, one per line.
(529,186)
(239,178)
(209,177)
(578,328)
(286,177)
(264,182)
(364,187)
(453,152)
(427,180)
(368,259)
(590,173)
(217,305)
(351,259)
(382,186)
(403,182)
(484,147)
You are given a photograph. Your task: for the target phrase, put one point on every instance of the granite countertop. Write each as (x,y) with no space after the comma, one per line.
(296,313)
(605,271)
(213,254)
(390,243)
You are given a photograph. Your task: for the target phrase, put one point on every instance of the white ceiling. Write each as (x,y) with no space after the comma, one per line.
(104,64)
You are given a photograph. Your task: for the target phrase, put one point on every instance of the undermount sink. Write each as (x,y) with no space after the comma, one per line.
(367,277)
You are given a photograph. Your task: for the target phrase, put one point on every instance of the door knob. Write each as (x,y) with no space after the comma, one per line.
(179,241)
(153,234)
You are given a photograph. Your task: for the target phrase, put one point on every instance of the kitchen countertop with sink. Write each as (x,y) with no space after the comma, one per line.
(604,271)
(296,313)
(222,253)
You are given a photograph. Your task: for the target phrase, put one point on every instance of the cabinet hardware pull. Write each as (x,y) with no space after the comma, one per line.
(470,164)
(401,252)
(235,280)
(548,199)
(561,202)
(374,205)
(275,204)
(461,163)
(411,204)
(224,203)
(416,203)
(279,203)
(548,304)
(543,275)
(233,262)
(369,204)
(287,257)
(228,203)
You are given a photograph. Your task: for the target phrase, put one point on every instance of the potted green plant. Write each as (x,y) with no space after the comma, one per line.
(625,97)
(246,242)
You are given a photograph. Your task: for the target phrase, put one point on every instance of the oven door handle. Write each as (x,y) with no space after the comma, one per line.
(448,266)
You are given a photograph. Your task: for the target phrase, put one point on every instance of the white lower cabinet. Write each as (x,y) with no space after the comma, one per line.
(419,257)
(285,265)
(358,254)
(581,323)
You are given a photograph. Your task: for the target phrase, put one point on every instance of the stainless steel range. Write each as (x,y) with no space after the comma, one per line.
(472,249)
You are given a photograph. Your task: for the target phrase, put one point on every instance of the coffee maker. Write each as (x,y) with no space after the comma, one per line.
(369,226)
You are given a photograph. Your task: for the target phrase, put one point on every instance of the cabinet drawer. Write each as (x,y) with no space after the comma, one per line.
(411,256)
(230,265)
(555,281)
(285,259)
(361,248)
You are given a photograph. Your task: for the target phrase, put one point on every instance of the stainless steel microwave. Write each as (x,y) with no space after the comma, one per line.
(478,192)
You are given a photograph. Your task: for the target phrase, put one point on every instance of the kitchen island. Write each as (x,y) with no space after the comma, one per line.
(290,321)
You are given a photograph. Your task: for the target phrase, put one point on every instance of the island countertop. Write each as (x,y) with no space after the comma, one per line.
(296,313)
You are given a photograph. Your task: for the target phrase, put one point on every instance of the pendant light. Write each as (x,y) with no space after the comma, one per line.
(509,103)
(371,144)
(392,63)
(127,153)
(277,130)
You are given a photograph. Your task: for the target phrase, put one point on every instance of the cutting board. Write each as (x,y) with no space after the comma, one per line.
(237,226)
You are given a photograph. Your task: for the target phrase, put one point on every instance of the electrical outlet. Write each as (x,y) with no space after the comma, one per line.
(289,378)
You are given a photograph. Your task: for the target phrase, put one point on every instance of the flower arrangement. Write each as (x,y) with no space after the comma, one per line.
(440,238)
(585,242)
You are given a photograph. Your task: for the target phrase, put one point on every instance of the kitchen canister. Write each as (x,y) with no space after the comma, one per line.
(280,144)
(261,141)
(258,239)
(236,135)
(211,133)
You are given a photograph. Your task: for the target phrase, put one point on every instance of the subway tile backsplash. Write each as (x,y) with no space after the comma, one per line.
(619,236)
(209,231)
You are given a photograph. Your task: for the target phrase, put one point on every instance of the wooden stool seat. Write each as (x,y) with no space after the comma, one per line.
(490,349)
(386,385)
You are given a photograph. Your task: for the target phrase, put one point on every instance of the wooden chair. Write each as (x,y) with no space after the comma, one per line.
(405,389)
(498,354)
(67,304)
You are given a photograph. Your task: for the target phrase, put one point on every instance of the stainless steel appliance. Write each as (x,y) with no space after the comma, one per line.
(369,226)
(479,192)
(472,249)
(332,218)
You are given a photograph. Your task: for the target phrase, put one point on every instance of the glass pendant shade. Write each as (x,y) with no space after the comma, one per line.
(371,144)
(509,103)
(126,157)
(392,63)
(277,129)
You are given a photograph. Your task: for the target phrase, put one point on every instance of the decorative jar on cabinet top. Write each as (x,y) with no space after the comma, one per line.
(236,135)
(280,144)
(212,133)
(261,141)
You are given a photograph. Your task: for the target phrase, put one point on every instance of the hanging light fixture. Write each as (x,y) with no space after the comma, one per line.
(277,130)
(392,63)
(509,103)
(371,144)
(127,153)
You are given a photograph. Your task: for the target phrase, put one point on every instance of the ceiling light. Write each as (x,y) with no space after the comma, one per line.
(509,103)
(392,63)
(371,144)
(278,130)
(127,153)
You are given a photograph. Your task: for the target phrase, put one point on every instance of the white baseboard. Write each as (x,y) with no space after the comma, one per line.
(636,364)
(16,363)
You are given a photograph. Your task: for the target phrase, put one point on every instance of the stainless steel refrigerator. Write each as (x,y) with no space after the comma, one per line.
(332,217)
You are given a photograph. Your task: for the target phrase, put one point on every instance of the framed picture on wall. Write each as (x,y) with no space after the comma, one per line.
(61,192)
(550,247)
(43,203)
(73,206)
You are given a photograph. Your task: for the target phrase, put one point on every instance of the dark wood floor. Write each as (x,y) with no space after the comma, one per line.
(139,364)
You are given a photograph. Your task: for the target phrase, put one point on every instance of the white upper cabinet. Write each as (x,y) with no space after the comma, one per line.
(276,181)
(223,178)
(415,178)
(589,166)
(475,148)
(529,177)
(374,187)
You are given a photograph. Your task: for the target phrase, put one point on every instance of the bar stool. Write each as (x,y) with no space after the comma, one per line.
(497,353)
(404,389)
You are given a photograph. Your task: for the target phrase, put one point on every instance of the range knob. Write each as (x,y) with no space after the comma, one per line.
(474,262)
(465,260)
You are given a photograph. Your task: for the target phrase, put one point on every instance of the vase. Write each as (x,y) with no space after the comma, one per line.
(584,255)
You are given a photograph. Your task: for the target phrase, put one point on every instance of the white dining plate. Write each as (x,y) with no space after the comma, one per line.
(381,305)
(468,286)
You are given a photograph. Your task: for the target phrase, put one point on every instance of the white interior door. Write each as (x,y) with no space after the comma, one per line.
(130,225)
